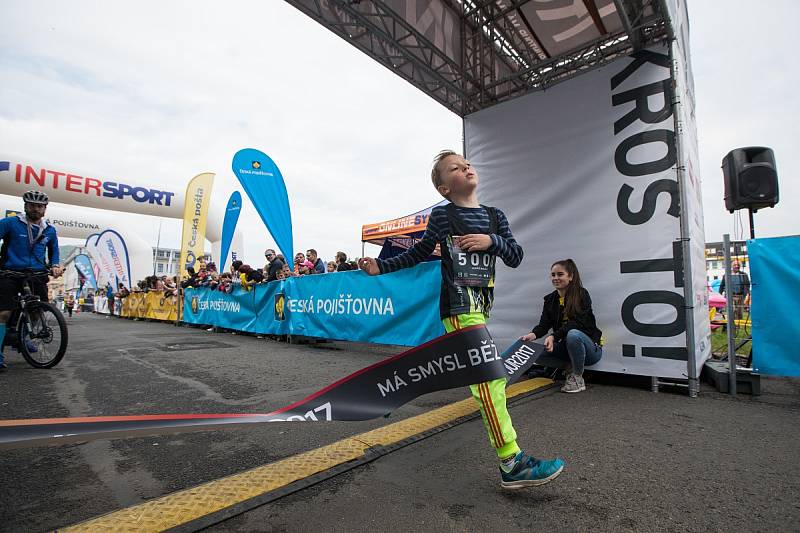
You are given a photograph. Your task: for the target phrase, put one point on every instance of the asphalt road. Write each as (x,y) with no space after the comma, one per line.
(636,460)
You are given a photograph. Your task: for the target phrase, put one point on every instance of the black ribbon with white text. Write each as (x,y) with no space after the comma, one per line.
(461,358)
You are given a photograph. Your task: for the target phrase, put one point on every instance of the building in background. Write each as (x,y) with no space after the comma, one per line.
(165,261)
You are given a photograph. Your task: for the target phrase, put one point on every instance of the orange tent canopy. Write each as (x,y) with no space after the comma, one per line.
(408,227)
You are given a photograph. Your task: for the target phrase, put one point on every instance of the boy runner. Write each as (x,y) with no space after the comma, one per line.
(470,237)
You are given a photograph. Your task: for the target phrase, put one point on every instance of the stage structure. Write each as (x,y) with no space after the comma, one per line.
(601,166)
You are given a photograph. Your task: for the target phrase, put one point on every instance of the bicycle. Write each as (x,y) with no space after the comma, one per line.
(44,337)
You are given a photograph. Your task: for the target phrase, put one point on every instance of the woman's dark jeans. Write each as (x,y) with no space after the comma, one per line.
(576,350)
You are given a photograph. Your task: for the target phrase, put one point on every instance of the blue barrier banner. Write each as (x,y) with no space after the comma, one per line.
(263,183)
(215,308)
(775,304)
(399,308)
(232,211)
(270,300)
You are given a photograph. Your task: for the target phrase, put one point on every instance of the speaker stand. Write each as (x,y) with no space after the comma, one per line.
(749,338)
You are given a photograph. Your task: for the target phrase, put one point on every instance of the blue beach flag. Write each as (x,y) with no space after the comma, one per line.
(84,266)
(232,212)
(263,183)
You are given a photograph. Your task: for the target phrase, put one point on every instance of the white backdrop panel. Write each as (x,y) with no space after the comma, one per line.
(572,187)
(690,178)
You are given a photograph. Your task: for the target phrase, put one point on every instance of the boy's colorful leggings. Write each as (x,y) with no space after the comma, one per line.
(490,395)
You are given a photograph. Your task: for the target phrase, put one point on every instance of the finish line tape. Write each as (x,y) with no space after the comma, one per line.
(458,359)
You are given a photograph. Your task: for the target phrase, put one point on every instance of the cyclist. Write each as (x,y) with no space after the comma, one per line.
(30,244)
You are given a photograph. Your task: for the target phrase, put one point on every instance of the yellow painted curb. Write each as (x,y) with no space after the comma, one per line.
(190,504)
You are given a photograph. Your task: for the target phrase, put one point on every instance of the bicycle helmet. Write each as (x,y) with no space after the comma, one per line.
(35,197)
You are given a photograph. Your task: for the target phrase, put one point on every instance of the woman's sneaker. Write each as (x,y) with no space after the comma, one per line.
(529,471)
(574,383)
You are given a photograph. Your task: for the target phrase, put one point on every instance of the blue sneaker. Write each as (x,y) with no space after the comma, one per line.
(529,471)
(3,364)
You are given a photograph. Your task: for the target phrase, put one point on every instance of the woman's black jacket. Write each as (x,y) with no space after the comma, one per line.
(551,318)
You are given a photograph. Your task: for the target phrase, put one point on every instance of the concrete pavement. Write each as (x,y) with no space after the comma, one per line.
(636,460)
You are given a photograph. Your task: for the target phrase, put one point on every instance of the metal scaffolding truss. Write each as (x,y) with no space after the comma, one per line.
(472,54)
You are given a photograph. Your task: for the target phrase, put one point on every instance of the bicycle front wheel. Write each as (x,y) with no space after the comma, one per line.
(42,334)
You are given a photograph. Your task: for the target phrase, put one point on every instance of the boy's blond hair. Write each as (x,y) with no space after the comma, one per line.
(436,174)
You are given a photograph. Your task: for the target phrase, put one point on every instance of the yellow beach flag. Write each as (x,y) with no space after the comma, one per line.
(195,209)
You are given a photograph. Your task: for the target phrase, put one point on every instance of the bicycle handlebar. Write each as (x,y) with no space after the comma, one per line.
(24,274)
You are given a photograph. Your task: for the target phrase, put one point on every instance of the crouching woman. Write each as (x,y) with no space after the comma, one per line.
(575,341)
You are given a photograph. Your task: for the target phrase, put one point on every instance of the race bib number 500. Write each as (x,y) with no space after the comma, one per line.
(472,269)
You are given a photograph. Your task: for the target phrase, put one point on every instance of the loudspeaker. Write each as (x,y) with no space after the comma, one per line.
(751,181)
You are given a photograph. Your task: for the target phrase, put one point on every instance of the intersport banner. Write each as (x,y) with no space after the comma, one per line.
(399,308)
(84,266)
(195,211)
(263,183)
(232,211)
(587,170)
(111,247)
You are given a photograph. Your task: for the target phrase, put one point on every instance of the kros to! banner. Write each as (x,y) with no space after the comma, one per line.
(195,210)
(454,360)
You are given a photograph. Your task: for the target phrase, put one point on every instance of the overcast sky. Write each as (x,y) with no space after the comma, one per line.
(161,91)
(745,78)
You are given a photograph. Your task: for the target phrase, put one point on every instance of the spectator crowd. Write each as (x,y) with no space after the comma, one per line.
(243,275)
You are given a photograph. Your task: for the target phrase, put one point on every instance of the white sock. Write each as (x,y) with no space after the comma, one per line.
(508,463)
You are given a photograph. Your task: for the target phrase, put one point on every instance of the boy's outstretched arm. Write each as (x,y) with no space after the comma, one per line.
(414,255)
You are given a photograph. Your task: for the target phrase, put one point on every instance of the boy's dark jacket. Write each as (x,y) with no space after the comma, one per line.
(551,318)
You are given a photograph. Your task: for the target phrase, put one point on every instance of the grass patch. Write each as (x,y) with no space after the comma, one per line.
(719,338)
